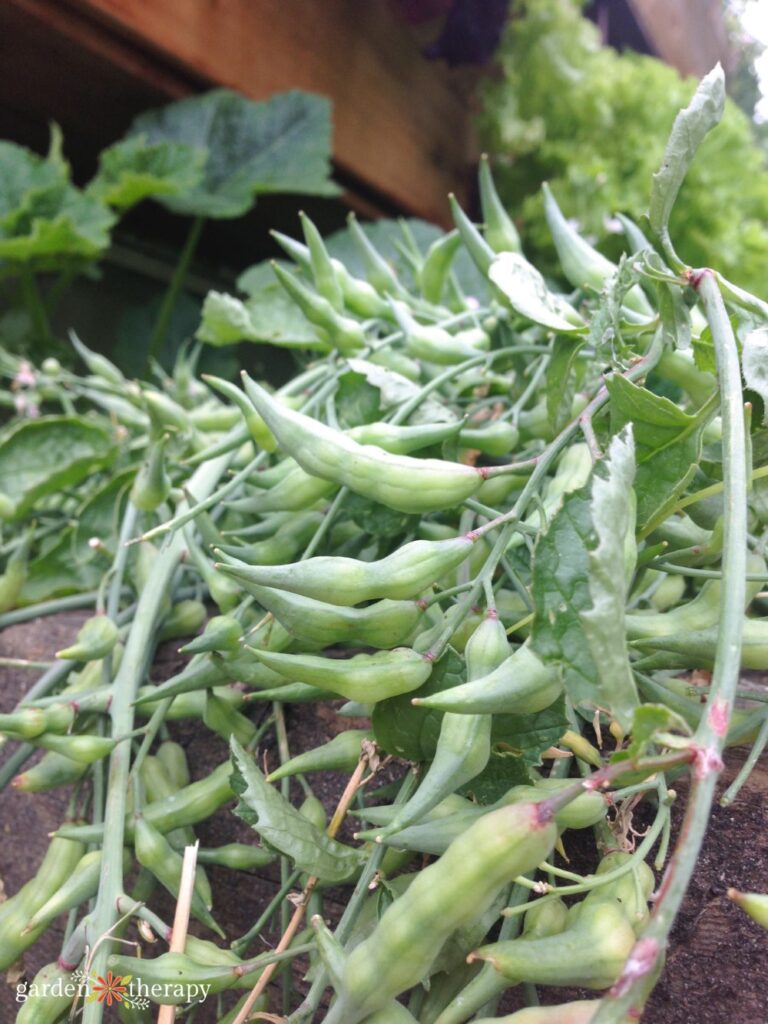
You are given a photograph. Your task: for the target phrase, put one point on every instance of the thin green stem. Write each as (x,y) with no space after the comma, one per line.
(129,675)
(634,987)
(240,945)
(173,291)
(34,304)
(746,769)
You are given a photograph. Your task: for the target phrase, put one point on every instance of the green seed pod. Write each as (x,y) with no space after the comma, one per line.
(48,996)
(432,343)
(312,809)
(668,593)
(221,718)
(397,361)
(383,624)
(545,919)
(330,949)
(200,674)
(154,852)
(696,648)
(583,265)
(222,633)
(398,481)
(342,332)
(293,693)
(631,892)
(521,685)
(500,231)
(445,896)
(158,785)
(590,954)
(365,677)
(340,754)
(377,269)
(237,856)
(464,743)
(323,271)
(165,413)
(97,364)
(172,757)
(185,618)
(83,748)
(152,484)
(95,639)
(585,811)
(481,252)
(259,432)
(406,573)
(497,438)
(580,1012)
(294,493)
(224,591)
(188,806)
(175,978)
(15,576)
(81,885)
(50,772)
(753,903)
(399,440)
(58,863)
(434,272)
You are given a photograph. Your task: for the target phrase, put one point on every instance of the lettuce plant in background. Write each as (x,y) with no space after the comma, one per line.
(591,122)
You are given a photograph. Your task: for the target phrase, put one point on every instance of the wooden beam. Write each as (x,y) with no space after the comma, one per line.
(401,123)
(688,34)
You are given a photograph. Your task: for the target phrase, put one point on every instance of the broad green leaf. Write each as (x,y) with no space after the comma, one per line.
(270,318)
(506,768)
(133,169)
(71,564)
(561,381)
(754,365)
(280,145)
(40,457)
(378,520)
(612,519)
(688,131)
(667,446)
(522,739)
(395,390)
(278,823)
(411,732)
(24,177)
(526,292)
(356,400)
(560,590)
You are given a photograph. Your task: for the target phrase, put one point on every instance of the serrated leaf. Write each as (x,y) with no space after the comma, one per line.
(527,294)
(280,145)
(270,318)
(412,732)
(133,169)
(527,736)
(40,457)
(667,446)
(691,125)
(754,365)
(283,827)
(603,623)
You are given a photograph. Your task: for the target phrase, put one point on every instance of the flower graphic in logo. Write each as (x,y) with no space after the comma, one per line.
(110,989)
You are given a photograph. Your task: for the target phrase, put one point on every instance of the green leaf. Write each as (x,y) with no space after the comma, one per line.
(526,292)
(561,381)
(71,565)
(356,400)
(504,770)
(278,823)
(412,732)
(754,365)
(133,169)
(579,589)
(43,218)
(675,316)
(648,722)
(667,446)
(395,390)
(704,352)
(280,145)
(688,131)
(612,518)
(40,457)
(528,736)
(270,318)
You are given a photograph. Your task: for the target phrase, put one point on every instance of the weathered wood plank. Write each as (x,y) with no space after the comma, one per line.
(688,34)
(402,126)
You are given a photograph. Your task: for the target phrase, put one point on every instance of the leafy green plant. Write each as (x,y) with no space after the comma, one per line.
(591,122)
(511,606)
